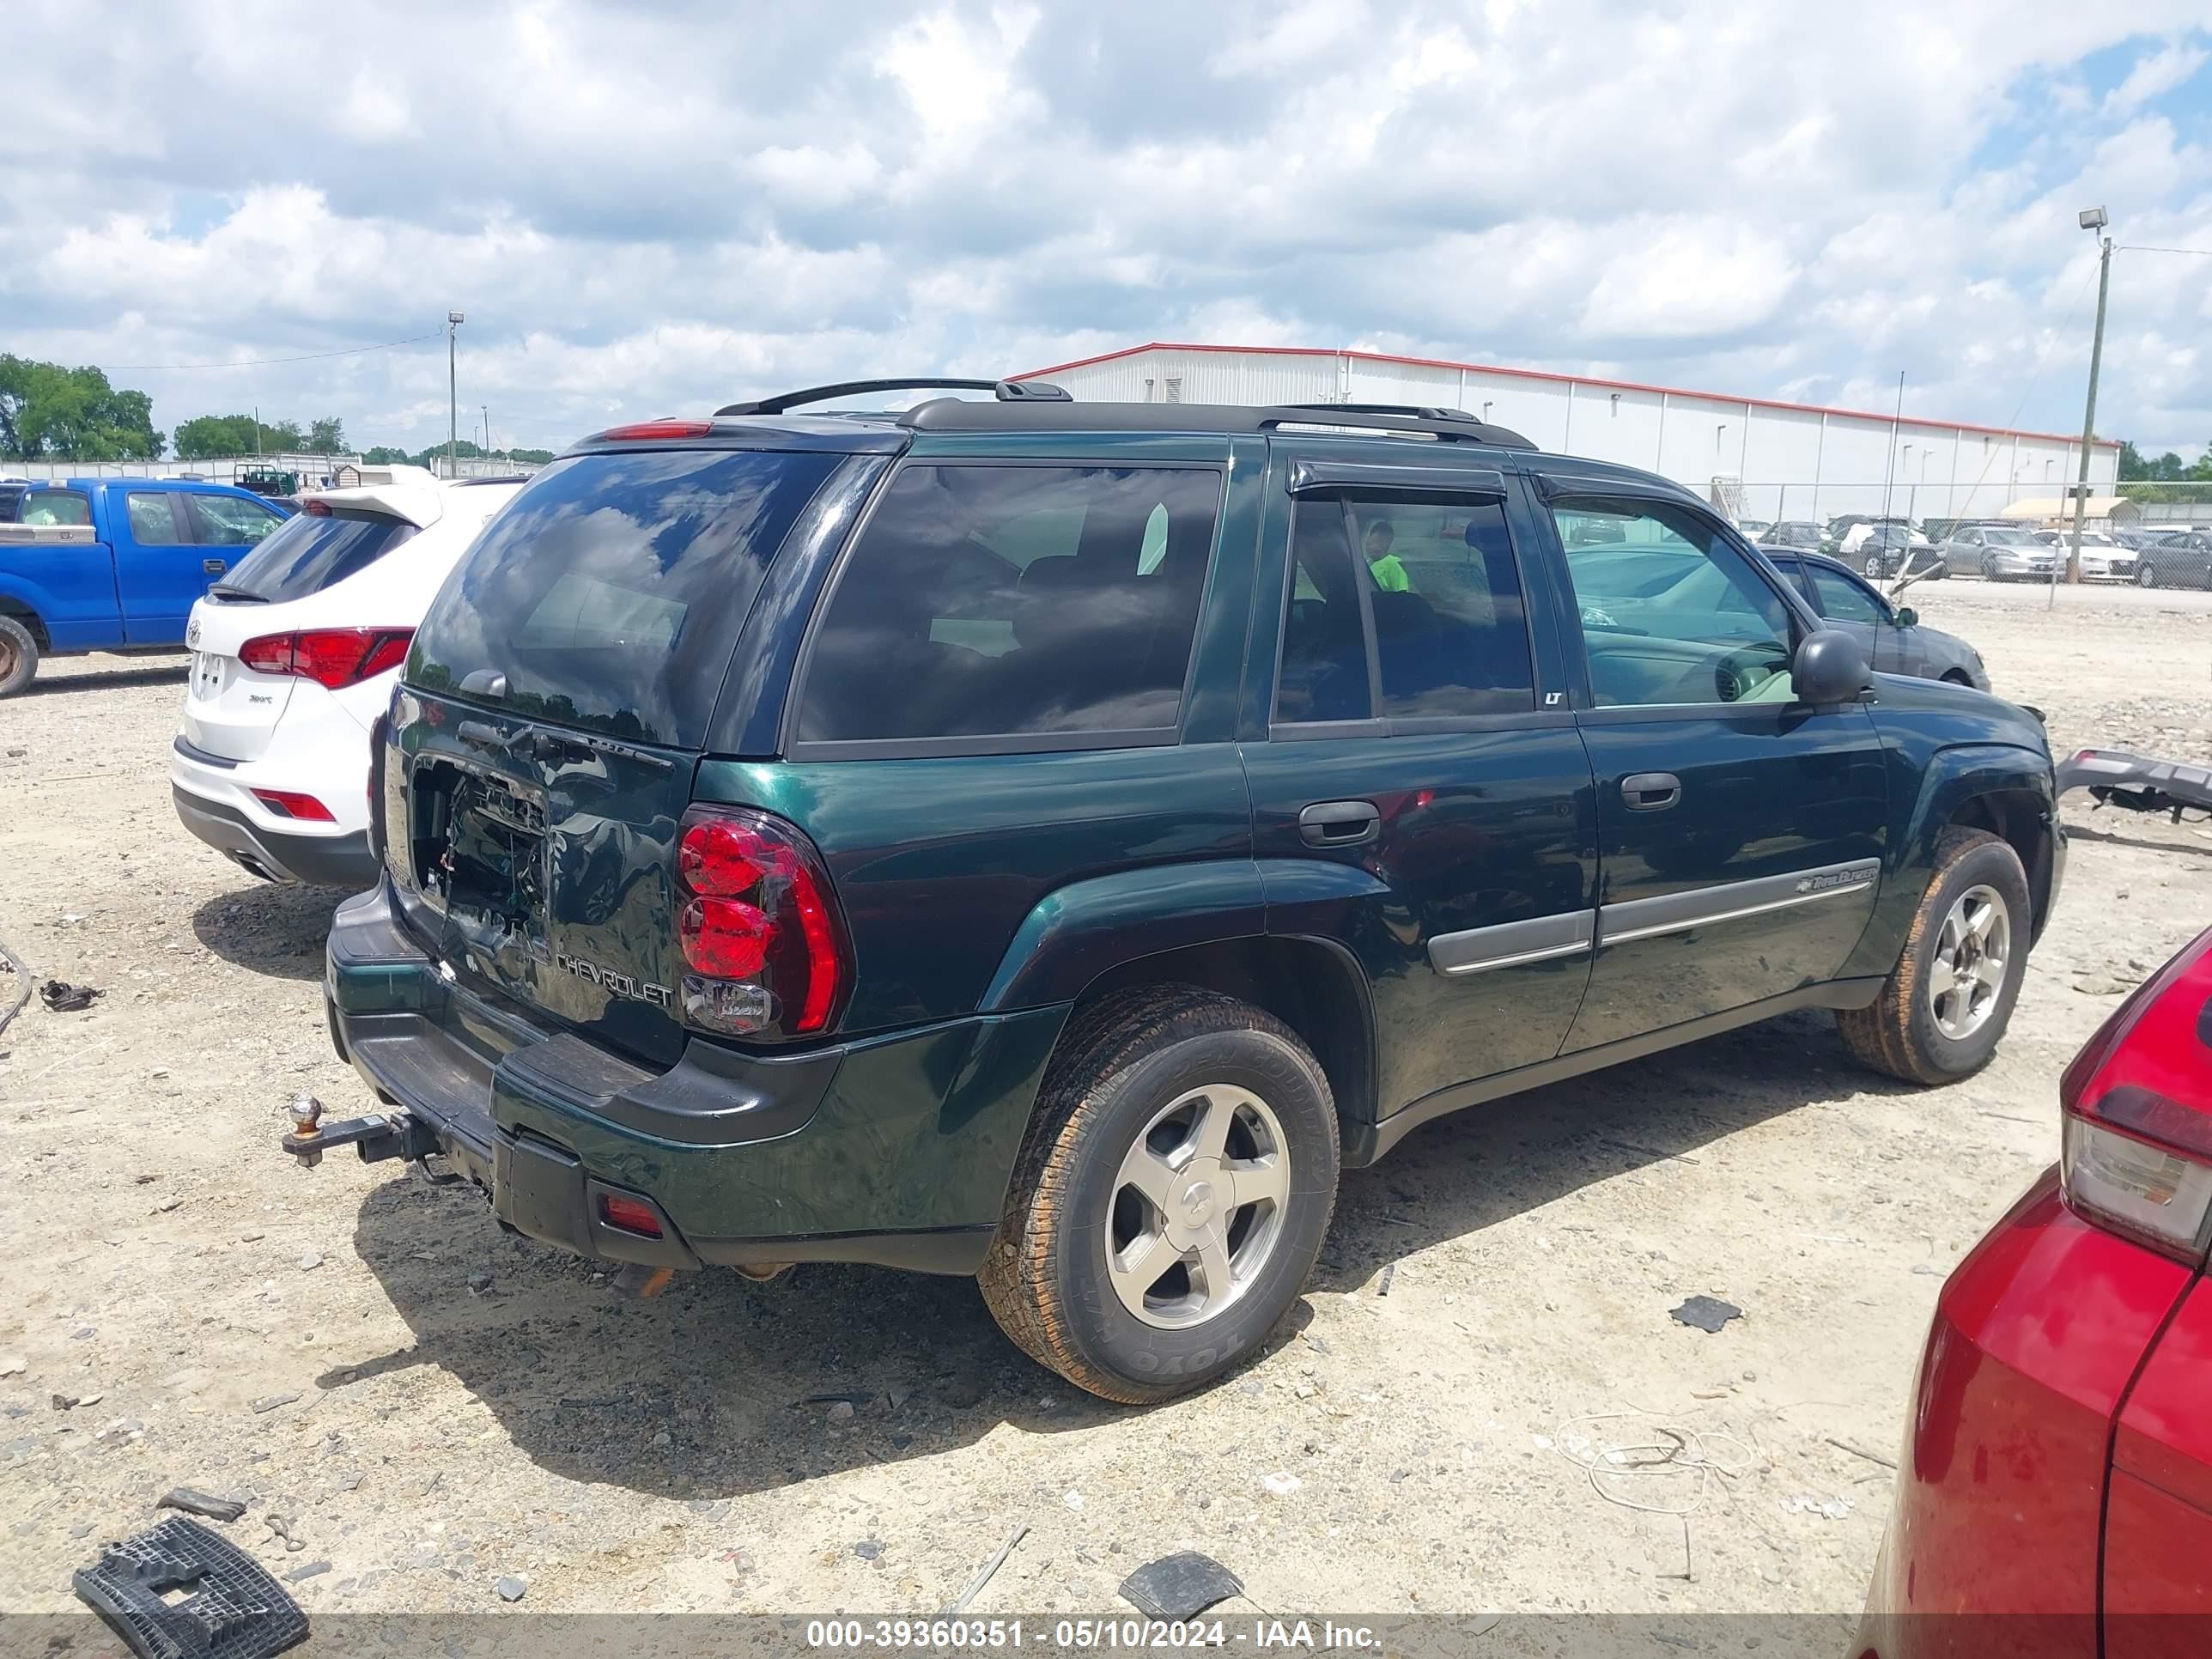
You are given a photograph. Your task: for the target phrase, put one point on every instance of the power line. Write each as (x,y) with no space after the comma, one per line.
(2131,247)
(263,362)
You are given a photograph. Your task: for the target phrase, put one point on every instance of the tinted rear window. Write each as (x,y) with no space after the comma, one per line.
(308,553)
(610,592)
(1014,601)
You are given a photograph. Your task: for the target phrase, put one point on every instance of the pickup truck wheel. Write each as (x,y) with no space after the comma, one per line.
(1944,1007)
(19,656)
(1173,1192)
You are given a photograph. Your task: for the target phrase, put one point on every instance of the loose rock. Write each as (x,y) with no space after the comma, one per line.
(511,1588)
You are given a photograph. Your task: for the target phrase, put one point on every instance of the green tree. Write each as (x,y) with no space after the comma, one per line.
(51,413)
(327,437)
(385,455)
(205,436)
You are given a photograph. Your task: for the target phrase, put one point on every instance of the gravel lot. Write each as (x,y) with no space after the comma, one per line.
(452,1406)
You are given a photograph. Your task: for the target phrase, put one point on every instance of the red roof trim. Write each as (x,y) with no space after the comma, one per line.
(1562,379)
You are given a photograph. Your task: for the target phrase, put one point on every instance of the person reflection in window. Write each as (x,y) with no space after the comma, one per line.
(1390,573)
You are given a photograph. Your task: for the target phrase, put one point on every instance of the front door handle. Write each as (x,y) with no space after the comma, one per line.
(1650,791)
(1340,824)
(214,567)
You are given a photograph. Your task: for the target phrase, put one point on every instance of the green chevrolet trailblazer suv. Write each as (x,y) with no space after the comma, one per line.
(1026,838)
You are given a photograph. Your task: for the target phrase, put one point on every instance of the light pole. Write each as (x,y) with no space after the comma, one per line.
(1912,495)
(487,415)
(453,320)
(2094,219)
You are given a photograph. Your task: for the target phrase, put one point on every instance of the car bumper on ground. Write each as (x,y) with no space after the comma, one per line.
(1994,1536)
(214,803)
(895,1150)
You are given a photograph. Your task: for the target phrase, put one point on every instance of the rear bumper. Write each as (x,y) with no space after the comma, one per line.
(318,860)
(893,1150)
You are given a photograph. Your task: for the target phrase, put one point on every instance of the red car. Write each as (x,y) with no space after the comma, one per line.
(2058,1470)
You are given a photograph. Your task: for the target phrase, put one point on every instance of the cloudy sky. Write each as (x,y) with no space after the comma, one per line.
(645,209)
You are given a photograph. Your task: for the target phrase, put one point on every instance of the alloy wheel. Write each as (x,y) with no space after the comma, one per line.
(1198,1205)
(1967,974)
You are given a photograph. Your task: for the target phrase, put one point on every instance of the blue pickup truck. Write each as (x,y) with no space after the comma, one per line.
(114,564)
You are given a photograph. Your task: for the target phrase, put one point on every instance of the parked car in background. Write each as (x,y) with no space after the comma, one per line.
(923,838)
(2058,1456)
(2103,559)
(1999,553)
(2180,558)
(1895,640)
(294,656)
(1793,533)
(115,564)
(1755,528)
(1887,551)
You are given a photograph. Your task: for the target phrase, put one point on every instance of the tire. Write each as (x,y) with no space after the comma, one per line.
(1989,568)
(1114,1084)
(2145,574)
(19,656)
(1900,1032)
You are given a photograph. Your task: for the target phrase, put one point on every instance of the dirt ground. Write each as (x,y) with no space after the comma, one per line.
(430,1407)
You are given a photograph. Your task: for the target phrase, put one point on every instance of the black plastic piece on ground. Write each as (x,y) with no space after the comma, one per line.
(193,1501)
(65,998)
(1706,1313)
(231,1609)
(1179,1586)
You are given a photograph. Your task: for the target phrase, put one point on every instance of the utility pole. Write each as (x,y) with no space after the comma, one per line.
(453,320)
(2091,219)
(257,432)
(487,415)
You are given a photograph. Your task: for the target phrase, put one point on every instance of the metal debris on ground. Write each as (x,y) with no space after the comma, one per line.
(1860,1451)
(229,1608)
(193,1501)
(65,998)
(1179,1586)
(1678,1453)
(1705,1313)
(990,1568)
(22,984)
(1389,1273)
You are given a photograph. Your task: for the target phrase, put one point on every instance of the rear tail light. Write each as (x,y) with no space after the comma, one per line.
(764,947)
(335,657)
(291,804)
(2138,1101)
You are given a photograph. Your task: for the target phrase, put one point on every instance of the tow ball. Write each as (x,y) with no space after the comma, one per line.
(378,1136)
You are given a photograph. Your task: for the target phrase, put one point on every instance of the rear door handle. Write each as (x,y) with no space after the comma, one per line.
(1339,823)
(1650,791)
(214,567)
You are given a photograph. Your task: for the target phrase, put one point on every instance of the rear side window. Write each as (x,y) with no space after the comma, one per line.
(230,521)
(1433,591)
(1014,601)
(311,552)
(50,506)
(152,523)
(610,592)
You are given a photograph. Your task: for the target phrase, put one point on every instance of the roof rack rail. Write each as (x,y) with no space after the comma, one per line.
(954,415)
(1420,411)
(1007,392)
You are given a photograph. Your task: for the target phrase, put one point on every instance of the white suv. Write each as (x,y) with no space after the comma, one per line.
(295,652)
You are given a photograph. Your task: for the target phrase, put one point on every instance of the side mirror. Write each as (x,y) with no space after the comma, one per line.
(1829,668)
(1908,617)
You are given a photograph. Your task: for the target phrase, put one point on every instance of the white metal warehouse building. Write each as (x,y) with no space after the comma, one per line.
(1791,460)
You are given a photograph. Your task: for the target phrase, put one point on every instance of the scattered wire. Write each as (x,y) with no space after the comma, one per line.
(22,982)
(263,362)
(1683,1452)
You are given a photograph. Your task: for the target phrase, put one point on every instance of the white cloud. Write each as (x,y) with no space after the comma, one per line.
(2153,77)
(649,208)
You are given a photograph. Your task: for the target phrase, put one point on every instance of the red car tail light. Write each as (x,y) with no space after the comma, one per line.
(631,1215)
(762,942)
(335,657)
(2138,1101)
